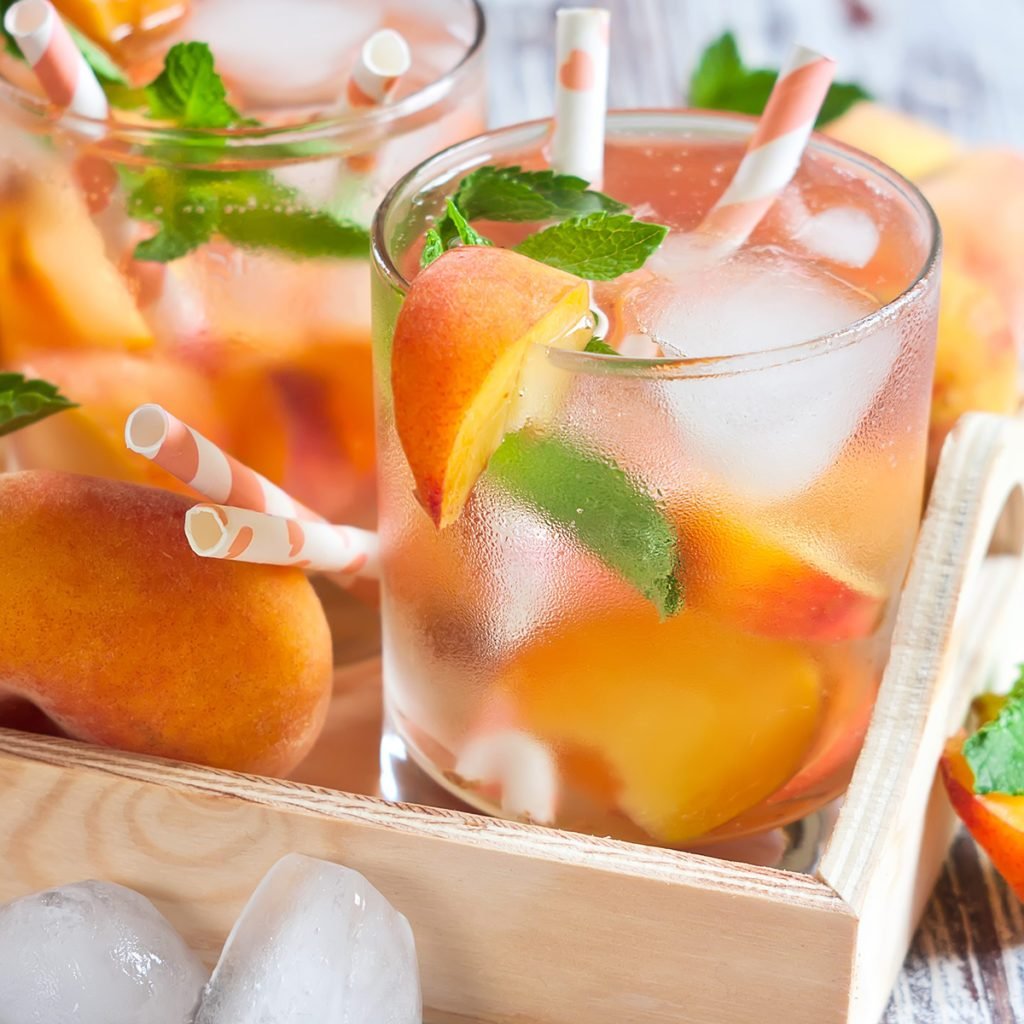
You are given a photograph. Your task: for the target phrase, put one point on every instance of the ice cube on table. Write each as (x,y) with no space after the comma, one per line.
(279,55)
(767,432)
(315,944)
(94,953)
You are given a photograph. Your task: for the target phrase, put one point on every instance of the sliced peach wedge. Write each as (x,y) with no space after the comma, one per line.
(463,362)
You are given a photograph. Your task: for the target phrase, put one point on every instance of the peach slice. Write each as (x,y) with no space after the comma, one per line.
(697,722)
(461,365)
(107,386)
(65,293)
(110,21)
(773,585)
(995,820)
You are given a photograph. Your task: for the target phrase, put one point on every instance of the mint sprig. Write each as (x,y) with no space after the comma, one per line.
(600,346)
(721,81)
(189,91)
(995,752)
(24,401)
(598,246)
(598,504)
(461,233)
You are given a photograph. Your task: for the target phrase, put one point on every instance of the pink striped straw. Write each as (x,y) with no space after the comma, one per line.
(383,60)
(154,433)
(67,80)
(240,534)
(581,93)
(775,149)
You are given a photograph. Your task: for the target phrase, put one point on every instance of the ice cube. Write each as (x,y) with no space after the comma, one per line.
(315,944)
(94,953)
(842,234)
(768,432)
(284,54)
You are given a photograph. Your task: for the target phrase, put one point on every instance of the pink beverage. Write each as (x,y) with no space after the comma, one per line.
(256,329)
(770,416)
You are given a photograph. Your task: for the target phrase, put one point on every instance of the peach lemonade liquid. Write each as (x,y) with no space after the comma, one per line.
(207,247)
(643,537)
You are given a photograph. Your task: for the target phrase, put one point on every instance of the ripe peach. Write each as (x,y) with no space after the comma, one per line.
(995,820)
(463,343)
(121,636)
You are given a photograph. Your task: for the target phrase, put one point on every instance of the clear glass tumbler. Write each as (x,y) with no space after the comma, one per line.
(772,408)
(253,335)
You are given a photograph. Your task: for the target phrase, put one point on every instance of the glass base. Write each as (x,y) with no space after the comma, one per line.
(794,847)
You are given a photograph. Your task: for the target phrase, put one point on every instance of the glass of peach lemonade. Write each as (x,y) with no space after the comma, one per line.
(207,248)
(643,536)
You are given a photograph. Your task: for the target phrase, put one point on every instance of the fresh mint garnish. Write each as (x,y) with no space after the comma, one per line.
(432,247)
(995,752)
(467,234)
(24,401)
(189,91)
(249,208)
(721,81)
(512,194)
(600,346)
(598,246)
(596,502)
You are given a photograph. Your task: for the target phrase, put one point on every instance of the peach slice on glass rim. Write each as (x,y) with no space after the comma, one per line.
(466,367)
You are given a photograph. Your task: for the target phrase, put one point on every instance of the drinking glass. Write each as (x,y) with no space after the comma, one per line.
(771,406)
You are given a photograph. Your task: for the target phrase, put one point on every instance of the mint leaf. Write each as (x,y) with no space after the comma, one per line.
(721,81)
(432,248)
(601,346)
(466,233)
(102,64)
(598,504)
(598,246)
(189,91)
(996,751)
(24,401)
(512,194)
(249,208)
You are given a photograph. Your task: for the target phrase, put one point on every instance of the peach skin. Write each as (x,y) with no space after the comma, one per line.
(463,366)
(995,820)
(121,636)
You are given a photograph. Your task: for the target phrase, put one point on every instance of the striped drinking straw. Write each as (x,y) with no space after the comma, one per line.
(581,93)
(775,149)
(44,41)
(240,534)
(383,59)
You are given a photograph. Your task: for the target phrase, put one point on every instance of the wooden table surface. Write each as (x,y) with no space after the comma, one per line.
(957,63)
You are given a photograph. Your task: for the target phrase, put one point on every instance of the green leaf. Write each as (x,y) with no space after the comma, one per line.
(432,248)
(512,194)
(466,233)
(598,246)
(721,81)
(996,751)
(24,401)
(599,345)
(599,505)
(104,66)
(249,208)
(189,91)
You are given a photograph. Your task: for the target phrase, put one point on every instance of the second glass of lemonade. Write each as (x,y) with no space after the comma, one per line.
(768,409)
(259,337)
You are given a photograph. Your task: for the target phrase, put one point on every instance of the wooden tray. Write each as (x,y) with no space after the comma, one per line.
(523,924)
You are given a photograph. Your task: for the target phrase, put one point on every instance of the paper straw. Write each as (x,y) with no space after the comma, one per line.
(581,93)
(240,534)
(154,433)
(520,766)
(383,60)
(775,149)
(67,80)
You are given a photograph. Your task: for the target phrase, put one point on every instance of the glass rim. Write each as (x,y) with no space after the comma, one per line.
(345,126)
(738,126)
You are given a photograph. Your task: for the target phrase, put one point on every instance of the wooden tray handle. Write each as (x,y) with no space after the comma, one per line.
(894,828)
